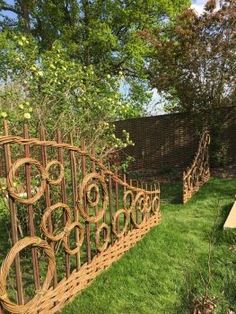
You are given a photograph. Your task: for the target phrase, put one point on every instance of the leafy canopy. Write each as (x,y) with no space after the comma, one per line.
(195,59)
(65,61)
(101,33)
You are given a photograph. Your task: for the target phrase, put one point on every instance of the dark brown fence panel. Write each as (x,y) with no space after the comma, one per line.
(69,216)
(161,144)
(167,143)
(199,172)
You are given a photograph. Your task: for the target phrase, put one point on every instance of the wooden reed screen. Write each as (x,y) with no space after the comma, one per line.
(199,172)
(68,217)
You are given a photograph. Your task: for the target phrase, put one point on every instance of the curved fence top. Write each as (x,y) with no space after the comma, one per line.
(199,171)
(63,201)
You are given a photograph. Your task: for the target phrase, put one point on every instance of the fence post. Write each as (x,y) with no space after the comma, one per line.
(14,222)
(30,210)
(63,195)
(87,224)
(75,196)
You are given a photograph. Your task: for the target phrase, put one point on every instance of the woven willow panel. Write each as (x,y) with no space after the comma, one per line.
(199,172)
(69,216)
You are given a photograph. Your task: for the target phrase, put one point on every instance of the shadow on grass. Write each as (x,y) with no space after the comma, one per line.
(171,193)
(193,287)
(197,287)
(186,294)
(229,290)
(221,235)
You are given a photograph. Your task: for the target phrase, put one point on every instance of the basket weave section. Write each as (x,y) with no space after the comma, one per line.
(67,289)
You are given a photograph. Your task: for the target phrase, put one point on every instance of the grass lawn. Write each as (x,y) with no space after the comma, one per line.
(172,266)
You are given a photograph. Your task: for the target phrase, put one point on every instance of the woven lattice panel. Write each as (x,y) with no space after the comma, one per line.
(69,217)
(199,172)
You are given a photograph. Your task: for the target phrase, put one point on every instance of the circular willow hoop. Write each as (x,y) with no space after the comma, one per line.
(48,214)
(207,171)
(12,173)
(139,197)
(189,181)
(208,138)
(82,193)
(5,268)
(66,237)
(126,195)
(90,200)
(106,240)
(155,204)
(61,174)
(148,204)
(201,171)
(114,222)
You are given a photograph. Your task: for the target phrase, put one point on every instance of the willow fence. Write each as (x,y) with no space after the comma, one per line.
(68,217)
(199,171)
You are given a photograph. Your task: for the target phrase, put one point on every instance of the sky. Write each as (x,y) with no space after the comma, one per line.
(198,5)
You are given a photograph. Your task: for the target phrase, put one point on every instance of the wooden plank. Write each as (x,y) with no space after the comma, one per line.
(230,222)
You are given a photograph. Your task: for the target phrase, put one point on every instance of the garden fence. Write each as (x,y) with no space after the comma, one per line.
(65,217)
(199,172)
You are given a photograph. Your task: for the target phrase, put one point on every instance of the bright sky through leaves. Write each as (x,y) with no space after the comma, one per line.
(198,5)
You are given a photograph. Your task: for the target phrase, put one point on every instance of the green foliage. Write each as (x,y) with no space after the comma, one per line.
(194,67)
(50,89)
(69,60)
(101,33)
(4,223)
(194,61)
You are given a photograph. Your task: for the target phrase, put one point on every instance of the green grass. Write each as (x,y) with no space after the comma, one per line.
(165,271)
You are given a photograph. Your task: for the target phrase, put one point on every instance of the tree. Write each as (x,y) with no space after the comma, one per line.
(65,60)
(49,89)
(195,59)
(194,67)
(101,33)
